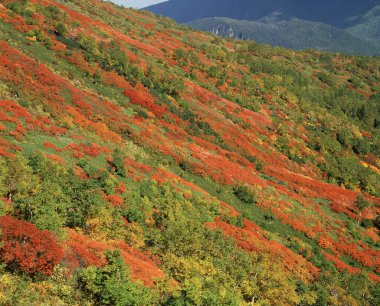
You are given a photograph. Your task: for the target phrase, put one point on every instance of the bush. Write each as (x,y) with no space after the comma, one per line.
(112,285)
(28,249)
(118,162)
(376,222)
(244,195)
(366,223)
(361,146)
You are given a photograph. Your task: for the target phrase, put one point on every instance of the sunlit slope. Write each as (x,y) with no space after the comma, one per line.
(218,171)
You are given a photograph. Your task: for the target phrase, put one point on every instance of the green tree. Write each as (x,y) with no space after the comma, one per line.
(47,208)
(18,180)
(244,194)
(112,285)
(360,204)
(118,162)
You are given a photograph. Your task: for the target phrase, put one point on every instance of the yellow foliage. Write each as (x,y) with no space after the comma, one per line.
(356,132)
(221,54)
(31,38)
(338,298)
(373,168)
(67,121)
(277,78)
(274,285)
(272,139)
(188,267)
(105,227)
(172,100)
(135,236)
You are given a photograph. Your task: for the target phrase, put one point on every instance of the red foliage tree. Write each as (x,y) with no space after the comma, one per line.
(26,248)
(115,200)
(141,96)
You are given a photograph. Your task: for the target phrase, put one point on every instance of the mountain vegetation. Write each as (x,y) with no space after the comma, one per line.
(144,163)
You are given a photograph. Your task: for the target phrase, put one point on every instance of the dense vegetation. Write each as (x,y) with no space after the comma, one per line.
(142,163)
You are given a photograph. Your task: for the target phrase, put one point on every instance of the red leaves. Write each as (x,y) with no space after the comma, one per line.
(366,256)
(340,265)
(93,150)
(374,277)
(27,248)
(325,242)
(83,251)
(49,145)
(79,150)
(130,163)
(253,238)
(87,113)
(121,188)
(141,96)
(115,200)
(55,158)
(37,81)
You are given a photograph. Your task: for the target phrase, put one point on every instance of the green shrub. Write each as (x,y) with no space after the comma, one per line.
(244,195)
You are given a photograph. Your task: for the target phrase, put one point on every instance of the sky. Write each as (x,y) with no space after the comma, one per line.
(137,3)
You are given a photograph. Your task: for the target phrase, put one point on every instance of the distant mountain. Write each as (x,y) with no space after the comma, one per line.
(348,26)
(294,34)
(368,25)
(338,13)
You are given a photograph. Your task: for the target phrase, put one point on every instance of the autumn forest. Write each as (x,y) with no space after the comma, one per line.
(145,163)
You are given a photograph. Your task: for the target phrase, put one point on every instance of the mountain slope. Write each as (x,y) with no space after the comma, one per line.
(333,12)
(143,163)
(293,34)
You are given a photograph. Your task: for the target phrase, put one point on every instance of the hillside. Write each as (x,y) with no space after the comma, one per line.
(293,34)
(144,163)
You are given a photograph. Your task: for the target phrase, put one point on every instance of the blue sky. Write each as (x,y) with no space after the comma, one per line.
(137,3)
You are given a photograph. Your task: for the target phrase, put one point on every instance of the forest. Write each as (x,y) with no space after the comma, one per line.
(145,163)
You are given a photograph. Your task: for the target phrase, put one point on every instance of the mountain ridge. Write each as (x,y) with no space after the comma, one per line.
(368,25)
(335,12)
(294,34)
(354,18)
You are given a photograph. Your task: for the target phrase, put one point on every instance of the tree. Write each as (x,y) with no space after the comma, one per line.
(2,208)
(361,146)
(61,29)
(47,209)
(18,180)
(244,195)
(344,136)
(112,284)
(85,201)
(118,162)
(376,222)
(360,204)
